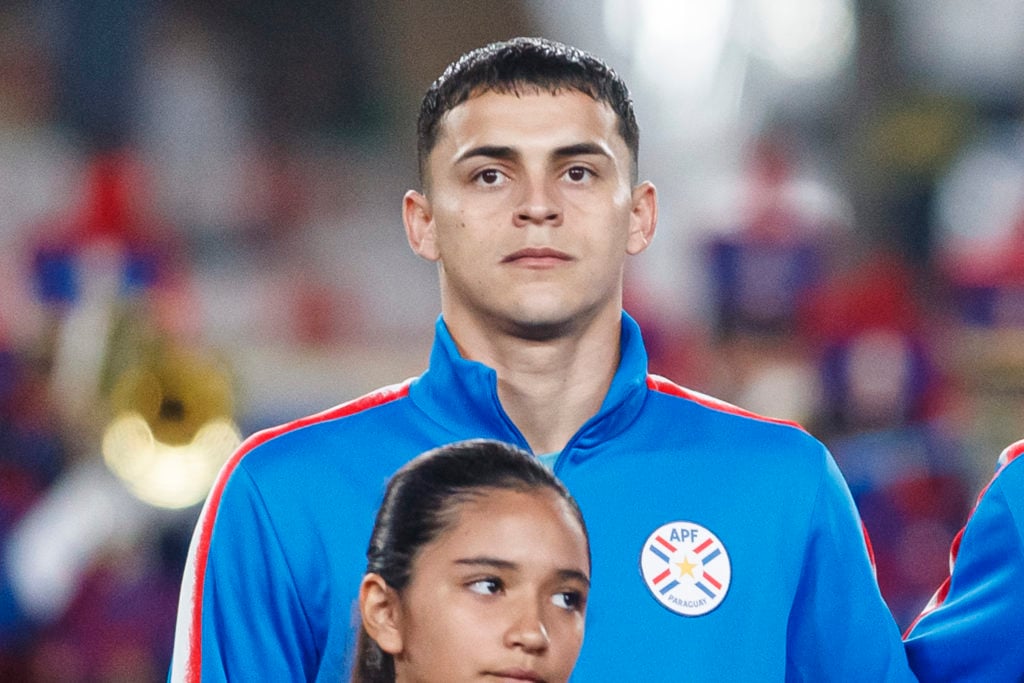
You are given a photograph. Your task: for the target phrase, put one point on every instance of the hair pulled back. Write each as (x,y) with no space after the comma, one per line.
(422,500)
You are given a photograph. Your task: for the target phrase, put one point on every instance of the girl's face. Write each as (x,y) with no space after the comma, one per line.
(500,595)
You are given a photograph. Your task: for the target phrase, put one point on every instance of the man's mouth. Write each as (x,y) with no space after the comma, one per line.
(538,256)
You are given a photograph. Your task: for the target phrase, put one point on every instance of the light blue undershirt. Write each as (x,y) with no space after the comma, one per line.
(548,459)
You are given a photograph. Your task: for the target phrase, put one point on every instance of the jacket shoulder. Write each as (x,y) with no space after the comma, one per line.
(662,385)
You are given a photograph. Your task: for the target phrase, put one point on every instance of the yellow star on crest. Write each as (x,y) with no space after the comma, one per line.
(686,567)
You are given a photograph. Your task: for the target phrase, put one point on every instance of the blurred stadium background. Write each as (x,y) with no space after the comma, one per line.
(200,236)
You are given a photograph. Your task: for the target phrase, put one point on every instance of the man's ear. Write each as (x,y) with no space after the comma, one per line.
(381,611)
(643,218)
(418,216)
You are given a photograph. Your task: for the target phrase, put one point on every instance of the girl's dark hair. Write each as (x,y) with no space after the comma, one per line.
(508,66)
(421,501)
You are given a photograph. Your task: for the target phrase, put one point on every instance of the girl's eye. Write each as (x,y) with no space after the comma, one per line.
(578,174)
(567,600)
(486,586)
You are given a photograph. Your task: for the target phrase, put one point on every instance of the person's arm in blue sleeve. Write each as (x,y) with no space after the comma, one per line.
(840,628)
(971,628)
(240,615)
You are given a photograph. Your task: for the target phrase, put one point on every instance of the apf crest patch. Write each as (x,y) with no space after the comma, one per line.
(686,568)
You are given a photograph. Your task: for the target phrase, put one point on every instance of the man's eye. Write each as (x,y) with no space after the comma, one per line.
(567,600)
(490,177)
(486,586)
(578,174)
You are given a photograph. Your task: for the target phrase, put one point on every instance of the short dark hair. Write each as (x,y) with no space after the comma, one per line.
(421,501)
(508,66)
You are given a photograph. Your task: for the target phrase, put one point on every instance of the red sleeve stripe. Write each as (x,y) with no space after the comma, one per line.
(666,386)
(209,513)
(1009,454)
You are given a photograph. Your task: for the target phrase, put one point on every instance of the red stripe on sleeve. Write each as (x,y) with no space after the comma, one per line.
(1009,454)
(209,515)
(666,386)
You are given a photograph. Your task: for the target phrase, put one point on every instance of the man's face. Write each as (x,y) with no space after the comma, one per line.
(530,212)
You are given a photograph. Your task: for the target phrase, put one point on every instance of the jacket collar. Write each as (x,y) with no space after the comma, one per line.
(462,395)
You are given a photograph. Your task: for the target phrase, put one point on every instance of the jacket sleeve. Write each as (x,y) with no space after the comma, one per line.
(971,630)
(840,628)
(240,615)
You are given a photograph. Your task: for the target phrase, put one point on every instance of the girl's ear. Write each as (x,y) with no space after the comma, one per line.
(381,611)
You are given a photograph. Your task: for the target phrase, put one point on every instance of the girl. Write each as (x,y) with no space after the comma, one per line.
(478,568)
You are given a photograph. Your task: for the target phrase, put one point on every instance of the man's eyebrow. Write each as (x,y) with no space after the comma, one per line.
(489,151)
(581,149)
(506,152)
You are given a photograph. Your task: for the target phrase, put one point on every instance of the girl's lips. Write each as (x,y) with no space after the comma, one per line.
(518,675)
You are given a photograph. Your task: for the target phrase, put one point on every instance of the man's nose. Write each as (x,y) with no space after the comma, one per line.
(539,205)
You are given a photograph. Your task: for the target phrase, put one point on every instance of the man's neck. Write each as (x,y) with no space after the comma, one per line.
(549,388)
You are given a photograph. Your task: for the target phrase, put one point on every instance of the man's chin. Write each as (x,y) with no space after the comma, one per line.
(544,326)
(541,331)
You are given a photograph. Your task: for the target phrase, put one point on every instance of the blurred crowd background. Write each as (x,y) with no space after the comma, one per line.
(200,237)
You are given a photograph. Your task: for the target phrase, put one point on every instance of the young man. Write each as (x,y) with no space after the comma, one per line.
(725,546)
(970,630)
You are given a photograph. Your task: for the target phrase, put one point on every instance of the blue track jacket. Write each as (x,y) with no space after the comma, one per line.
(726,546)
(971,630)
